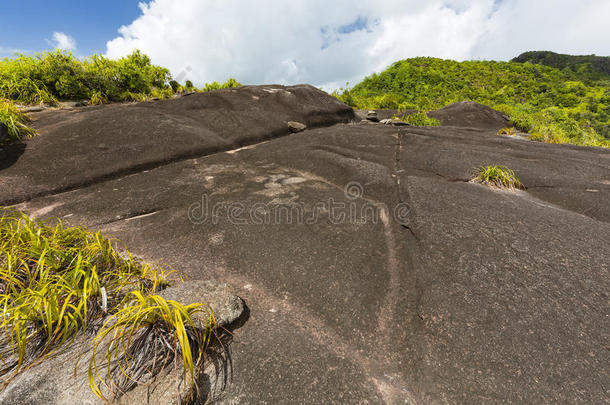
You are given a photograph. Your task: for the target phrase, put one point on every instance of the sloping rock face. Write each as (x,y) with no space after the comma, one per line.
(84,146)
(472,115)
(374,271)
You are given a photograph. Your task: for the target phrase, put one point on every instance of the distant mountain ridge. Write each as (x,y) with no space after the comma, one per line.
(584,66)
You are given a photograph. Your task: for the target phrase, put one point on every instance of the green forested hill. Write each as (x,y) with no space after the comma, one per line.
(552,105)
(583,67)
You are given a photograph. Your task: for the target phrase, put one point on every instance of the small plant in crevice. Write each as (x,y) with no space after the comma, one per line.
(511,131)
(497,177)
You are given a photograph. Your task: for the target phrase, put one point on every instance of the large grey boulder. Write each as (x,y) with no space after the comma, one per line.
(205,123)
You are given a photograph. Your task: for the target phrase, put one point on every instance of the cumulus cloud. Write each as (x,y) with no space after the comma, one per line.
(328,43)
(63,41)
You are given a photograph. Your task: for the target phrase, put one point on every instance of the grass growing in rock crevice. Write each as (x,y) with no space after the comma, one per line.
(59,283)
(511,131)
(497,177)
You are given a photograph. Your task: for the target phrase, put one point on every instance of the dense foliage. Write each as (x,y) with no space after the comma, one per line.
(541,100)
(420,119)
(58,75)
(589,67)
(55,76)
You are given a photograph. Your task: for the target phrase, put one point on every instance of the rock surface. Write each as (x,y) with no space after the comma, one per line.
(296,126)
(451,293)
(381,114)
(89,143)
(472,115)
(221,298)
(372,116)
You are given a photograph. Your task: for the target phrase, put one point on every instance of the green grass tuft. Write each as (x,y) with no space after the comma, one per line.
(52,281)
(144,336)
(497,176)
(507,131)
(15,121)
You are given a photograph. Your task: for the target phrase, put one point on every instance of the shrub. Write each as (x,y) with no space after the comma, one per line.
(58,75)
(497,176)
(217,86)
(174,85)
(421,119)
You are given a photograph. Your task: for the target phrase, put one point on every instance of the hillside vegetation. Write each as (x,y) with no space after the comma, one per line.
(55,76)
(550,104)
(588,67)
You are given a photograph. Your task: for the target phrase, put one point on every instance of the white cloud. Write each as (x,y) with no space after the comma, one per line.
(7,52)
(327,43)
(63,41)
(554,25)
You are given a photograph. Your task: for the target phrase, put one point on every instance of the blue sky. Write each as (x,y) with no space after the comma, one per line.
(321,42)
(91,23)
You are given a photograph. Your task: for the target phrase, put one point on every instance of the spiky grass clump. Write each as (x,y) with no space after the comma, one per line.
(59,283)
(50,286)
(507,131)
(145,336)
(15,121)
(497,176)
(420,119)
